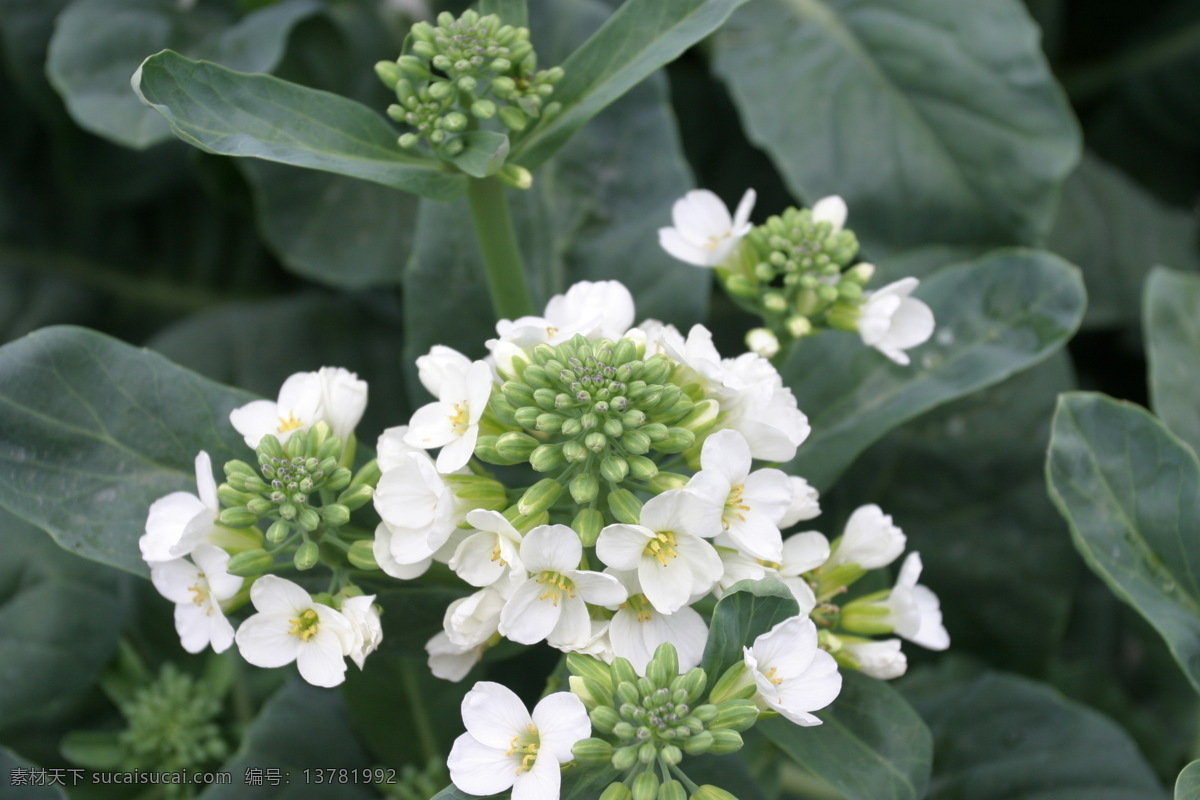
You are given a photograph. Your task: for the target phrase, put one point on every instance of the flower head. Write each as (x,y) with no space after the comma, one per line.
(198,587)
(299,406)
(891,321)
(869,540)
(343,400)
(704,234)
(363,617)
(181,520)
(452,421)
(794,677)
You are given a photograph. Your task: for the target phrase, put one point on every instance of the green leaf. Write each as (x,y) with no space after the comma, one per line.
(1000,737)
(748,610)
(234,114)
(871,745)
(60,618)
(302,730)
(640,37)
(1172,320)
(1130,491)
(995,317)
(951,108)
(483,153)
(98,44)
(1115,231)
(16,775)
(1187,787)
(92,431)
(513,12)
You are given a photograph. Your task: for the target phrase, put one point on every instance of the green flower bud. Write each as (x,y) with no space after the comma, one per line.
(624,506)
(595,441)
(667,481)
(678,440)
(239,467)
(592,752)
(584,487)
(483,109)
(672,790)
(798,326)
(269,446)
(867,618)
(231,497)
(625,757)
(260,506)
(604,718)
(308,519)
(389,72)
(725,741)
(641,468)
(671,754)
(705,713)
(307,556)
(622,672)
(636,442)
(738,715)
(735,684)
(627,692)
(666,656)
(574,451)
(646,754)
(237,517)
(710,792)
(591,668)
(512,117)
(515,176)
(339,480)
(547,457)
(355,497)
(698,744)
(614,468)
(408,140)
(616,791)
(861,273)
(362,554)
(702,416)
(335,515)
(423,49)
(540,496)
(588,523)
(250,563)
(612,427)
(516,446)
(624,731)
(645,786)
(278,531)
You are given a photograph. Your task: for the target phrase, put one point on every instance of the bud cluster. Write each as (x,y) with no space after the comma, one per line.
(651,722)
(463,72)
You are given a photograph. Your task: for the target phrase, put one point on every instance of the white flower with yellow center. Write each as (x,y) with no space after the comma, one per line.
(753,504)
(291,626)
(793,676)
(452,421)
(757,405)
(637,628)
(419,512)
(491,552)
(181,520)
(705,234)
(667,548)
(870,540)
(197,590)
(505,747)
(891,321)
(299,406)
(910,609)
(552,604)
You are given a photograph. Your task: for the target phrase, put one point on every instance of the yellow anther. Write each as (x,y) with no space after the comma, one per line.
(460,418)
(661,547)
(496,555)
(770,675)
(305,626)
(734,506)
(715,241)
(289,424)
(200,593)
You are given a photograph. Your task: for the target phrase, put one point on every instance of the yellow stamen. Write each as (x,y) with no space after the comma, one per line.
(305,626)
(200,592)
(661,547)
(770,675)
(529,747)
(556,584)
(734,506)
(639,604)
(460,418)
(715,241)
(289,424)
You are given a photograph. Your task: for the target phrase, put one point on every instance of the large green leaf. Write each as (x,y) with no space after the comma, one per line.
(16,775)
(749,610)
(60,617)
(98,44)
(592,214)
(93,431)
(1131,493)
(1172,320)
(234,114)
(640,37)
(936,121)
(303,732)
(1187,787)
(999,737)
(995,317)
(1115,231)
(871,744)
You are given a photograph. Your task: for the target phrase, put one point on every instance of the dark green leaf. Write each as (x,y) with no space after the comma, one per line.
(60,617)
(1187,787)
(936,122)
(513,12)
(1172,320)
(1115,231)
(640,37)
(16,777)
(870,746)
(1130,491)
(483,153)
(94,431)
(748,610)
(234,114)
(98,44)
(995,317)
(999,737)
(301,730)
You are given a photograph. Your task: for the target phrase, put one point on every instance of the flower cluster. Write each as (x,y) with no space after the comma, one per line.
(798,271)
(209,554)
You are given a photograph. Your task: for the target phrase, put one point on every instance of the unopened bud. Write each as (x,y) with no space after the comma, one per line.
(539,497)
(645,786)
(229,496)
(636,442)
(584,488)
(335,515)
(513,118)
(616,791)
(588,523)
(604,718)
(625,757)
(763,342)
(362,554)
(516,446)
(614,468)
(592,752)
(672,790)
(355,497)
(237,517)
(710,792)
(483,109)
(339,480)
(250,563)
(798,326)
(624,506)
(678,440)
(725,741)
(698,744)
(308,519)
(307,556)
(278,531)
(736,715)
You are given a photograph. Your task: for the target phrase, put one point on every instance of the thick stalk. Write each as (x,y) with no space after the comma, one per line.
(507,284)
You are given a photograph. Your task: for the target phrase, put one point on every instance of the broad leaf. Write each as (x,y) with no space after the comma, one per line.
(1130,491)
(640,37)
(98,44)
(995,317)
(1187,787)
(871,745)
(748,610)
(999,737)
(60,617)
(234,114)
(483,153)
(937,122)
(513,12)
(1116,231)
(93,431)
(16,775)
(303,730)
(1172,320)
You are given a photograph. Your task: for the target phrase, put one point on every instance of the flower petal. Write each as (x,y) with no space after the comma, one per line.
(479,769)
(561,721)
(493,714)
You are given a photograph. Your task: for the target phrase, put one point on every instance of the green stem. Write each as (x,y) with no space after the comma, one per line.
(507,284)
(798,783)
(420,715)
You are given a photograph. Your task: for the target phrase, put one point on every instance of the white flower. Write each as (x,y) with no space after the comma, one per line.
(672,561)
(507,748)
(452,421)
(805,503)
(491,552)
(697,352)
(762,342)
(197,589)
(418,509)
(800,553)
(830,209)
(757,405)
(449,661)
(792,674)
(363,617)
(892,322)
(637,629)
(438,365)
(552,604)
(289,627)
(883,660)
(343,400)
(704,234)
(472,620)
(916,612)
(870,540)
(391,450)
(753,503)
(181,520)
(298,407)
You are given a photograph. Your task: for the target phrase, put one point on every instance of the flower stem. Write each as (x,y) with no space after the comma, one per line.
(420,715)
(507,284)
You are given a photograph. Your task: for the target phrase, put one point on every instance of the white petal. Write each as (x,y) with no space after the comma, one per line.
(343,400)
(321,659)
(620,546)
(255,420)
(493,714)
(561,721)
(526,617)
(199,626)
(543,782)
(551,548)
(830,209)
(803,552)
(166,524)
(264,641)
(173,578)
(597,588)
(473,561)
(668,587)
(382,549)
(574,628)
(438,364)
(727,453)
(206,485)
(932,633)
(455,455)
(274,595)
(431,426)
(678,247)
(479,769)
(741,218)
(815,689)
